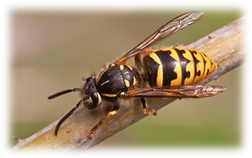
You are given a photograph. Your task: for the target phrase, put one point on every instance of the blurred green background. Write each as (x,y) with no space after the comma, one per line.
(53,50)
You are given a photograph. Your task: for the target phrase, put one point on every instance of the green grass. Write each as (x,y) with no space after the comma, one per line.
(181,136)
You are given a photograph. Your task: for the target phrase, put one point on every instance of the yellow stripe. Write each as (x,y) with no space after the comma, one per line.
(160,69)
(102,72)
(134,81)
(99,99)
(177,69)
(213,66)
(189,67)
(109,95)
(210,65)
(121,67)
(130,67)
(199,67)
(207,65)
(127,83)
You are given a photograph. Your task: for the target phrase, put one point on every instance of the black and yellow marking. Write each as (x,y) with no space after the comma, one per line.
(165,67)
(176,66)
(209,66)
(159,74)
(198,66)
(102,70)
(189,67)
(177,69)
(114,80)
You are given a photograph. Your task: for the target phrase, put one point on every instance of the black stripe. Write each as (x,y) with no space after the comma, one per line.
(151,70)
(204,63)
(195,65)
(208,70)
(168,64)
(184,62)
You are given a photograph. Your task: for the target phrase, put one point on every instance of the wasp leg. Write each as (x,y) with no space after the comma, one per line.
(153,111)
(115,109)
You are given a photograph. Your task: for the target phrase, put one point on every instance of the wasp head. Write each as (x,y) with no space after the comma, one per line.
(93,98)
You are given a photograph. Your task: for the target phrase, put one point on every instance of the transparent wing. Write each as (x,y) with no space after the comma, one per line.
(185,91)
(163,32)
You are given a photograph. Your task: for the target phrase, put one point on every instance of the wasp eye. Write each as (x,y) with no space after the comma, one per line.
(88,79)
(94,97)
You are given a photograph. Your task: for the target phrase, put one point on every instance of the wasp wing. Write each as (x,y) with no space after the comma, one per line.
(163,32)
(185,91)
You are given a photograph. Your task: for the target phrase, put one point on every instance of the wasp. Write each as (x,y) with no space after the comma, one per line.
(164,73)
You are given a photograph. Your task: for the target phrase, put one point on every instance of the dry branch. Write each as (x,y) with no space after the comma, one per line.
(224,46)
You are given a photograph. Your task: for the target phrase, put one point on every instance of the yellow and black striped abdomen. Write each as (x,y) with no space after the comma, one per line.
(176,66)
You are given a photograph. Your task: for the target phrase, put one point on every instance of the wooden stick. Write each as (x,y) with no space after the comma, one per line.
(224,46)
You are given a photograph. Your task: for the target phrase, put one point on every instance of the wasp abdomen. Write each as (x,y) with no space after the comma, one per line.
(176,66)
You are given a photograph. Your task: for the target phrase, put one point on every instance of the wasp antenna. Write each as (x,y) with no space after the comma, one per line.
(63,92)
(63,119)
(66,116)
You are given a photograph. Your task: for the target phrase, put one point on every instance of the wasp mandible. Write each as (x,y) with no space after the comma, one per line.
(163,73)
